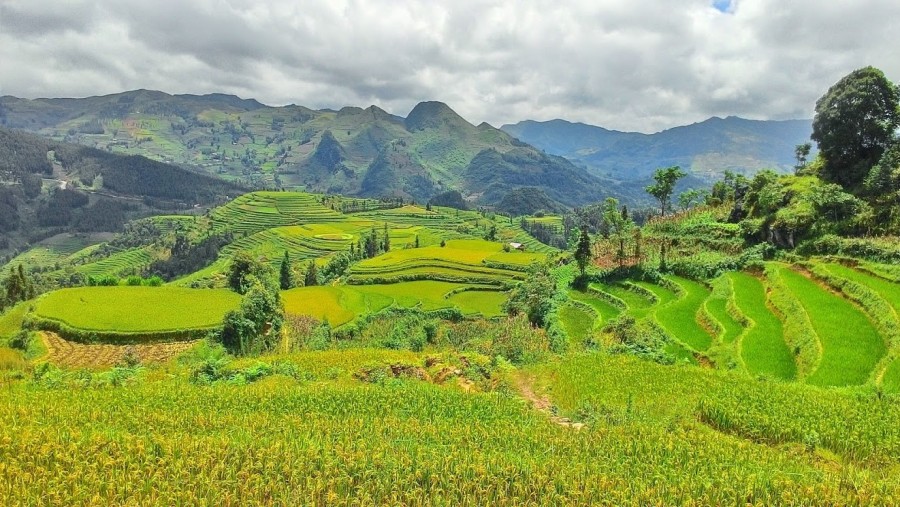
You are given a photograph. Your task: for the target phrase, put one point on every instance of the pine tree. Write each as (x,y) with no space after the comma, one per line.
(387,239)
(312,275)
(286,278)
(583,250)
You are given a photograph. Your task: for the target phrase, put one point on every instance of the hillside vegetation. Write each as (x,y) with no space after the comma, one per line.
(735,346)
(354,151)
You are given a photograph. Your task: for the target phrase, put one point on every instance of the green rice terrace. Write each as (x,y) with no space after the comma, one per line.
(291,347)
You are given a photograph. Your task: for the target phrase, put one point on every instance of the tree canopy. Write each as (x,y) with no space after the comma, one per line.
(854,124)
(664,185)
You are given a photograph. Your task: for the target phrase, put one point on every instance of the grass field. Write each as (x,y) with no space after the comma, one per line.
(847,359)
(136,310)
(762,346)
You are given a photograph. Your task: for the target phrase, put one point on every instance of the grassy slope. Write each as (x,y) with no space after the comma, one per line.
(762,346)
(847,358)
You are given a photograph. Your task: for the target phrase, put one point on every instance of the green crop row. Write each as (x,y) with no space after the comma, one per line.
(846,359)
(882,314)
(761,348)
(798,331)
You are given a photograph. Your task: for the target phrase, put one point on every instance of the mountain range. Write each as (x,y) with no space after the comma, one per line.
(366,152)
(705,149)
(370,152)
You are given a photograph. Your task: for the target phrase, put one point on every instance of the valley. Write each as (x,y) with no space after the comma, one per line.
(366,310)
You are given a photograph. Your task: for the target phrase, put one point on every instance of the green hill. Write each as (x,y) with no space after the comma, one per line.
(354,151)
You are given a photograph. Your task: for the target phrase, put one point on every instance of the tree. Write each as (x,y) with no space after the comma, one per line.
(664,186)
(801,153)
(534,297)
(387,239)
(242,265)
(312,275)
(618,224)
(854,124)
(286,277)
(255,327)
(583,250)
(690,198)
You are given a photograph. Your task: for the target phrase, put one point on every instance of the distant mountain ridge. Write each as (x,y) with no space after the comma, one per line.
(706,148)
(354,151)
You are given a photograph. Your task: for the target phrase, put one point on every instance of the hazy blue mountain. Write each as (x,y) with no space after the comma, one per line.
(706,149)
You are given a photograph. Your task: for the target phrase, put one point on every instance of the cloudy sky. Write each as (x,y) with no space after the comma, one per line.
(624,64)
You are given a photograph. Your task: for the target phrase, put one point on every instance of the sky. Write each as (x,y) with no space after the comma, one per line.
(623,64)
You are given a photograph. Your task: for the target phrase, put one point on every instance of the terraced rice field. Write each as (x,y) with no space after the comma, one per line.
(851,346)
(258,211)
(890,382)
(637,305)
(473,261)
(11,320)
(118,264)
(887,289)
(61,352)
(762,346)
(53,250)
(136,310)
(604,310)
(577,323)
(342,304)
(679,317)
(717,306)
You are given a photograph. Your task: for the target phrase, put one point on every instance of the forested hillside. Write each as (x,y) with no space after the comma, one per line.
(50,187)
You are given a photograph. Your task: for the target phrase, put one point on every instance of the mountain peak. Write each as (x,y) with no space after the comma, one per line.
(433,114)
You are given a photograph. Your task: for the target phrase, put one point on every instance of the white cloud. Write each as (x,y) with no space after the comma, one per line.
(616,63)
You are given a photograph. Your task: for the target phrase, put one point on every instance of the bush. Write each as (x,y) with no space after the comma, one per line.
(21,340)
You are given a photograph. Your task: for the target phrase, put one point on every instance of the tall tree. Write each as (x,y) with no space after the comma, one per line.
(583,250)
(312,275)
(286,277)
(664,185)
(854,124)
(801,153)
(618,225)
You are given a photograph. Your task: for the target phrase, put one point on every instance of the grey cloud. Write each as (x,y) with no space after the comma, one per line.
(617,63)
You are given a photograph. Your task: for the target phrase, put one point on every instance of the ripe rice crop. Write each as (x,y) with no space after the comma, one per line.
(283,441)
(61,352)
(136,311)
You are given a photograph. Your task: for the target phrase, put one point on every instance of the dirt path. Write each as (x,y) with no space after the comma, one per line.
(542,403)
